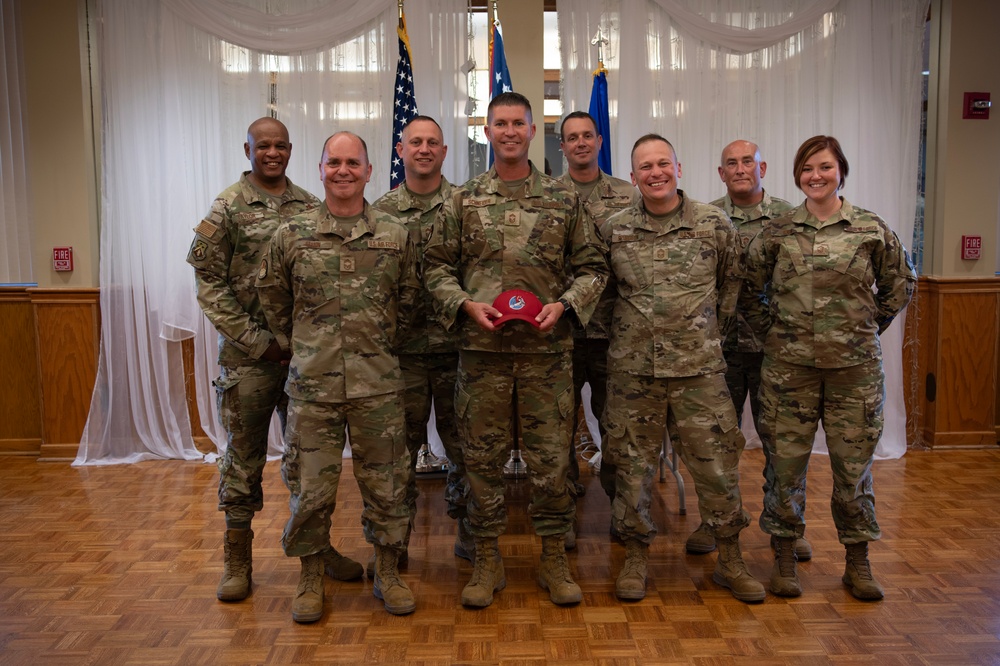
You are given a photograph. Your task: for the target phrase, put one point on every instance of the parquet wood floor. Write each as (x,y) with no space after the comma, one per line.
(118,565)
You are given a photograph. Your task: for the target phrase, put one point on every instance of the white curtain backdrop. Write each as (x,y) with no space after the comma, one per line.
(180,83)
(705,72)
(15,216)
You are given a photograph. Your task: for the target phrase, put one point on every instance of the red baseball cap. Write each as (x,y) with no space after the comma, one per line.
(517,304)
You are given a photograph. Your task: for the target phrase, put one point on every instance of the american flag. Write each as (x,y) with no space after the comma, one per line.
(499,76)
(403,102)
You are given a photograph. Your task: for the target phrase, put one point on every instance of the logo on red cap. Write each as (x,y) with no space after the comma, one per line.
(517,304)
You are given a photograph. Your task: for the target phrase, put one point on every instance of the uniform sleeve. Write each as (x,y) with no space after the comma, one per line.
(756,273)
(409,287)
(606,304)
(757,266)
(729,276)
(895,279)
(211,253)
(442,263)
(588,265)
(274,288)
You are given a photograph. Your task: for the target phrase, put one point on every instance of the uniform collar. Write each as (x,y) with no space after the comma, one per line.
(252,195)
(760,210)
(405,200)
(532,184)
(682,219)
(328,223)
(847,213)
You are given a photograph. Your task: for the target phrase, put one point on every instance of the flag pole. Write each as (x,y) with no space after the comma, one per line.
(599,104)
(404,101)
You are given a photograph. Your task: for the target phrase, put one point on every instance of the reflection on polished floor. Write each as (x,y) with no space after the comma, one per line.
(118,565)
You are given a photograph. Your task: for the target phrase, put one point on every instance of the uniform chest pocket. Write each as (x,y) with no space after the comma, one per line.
(605,208)
(631,266)
(691,261)
(547,236)
(853,256)
(314,276)
(790,262)
(382,273)
(324,287)
(480,235)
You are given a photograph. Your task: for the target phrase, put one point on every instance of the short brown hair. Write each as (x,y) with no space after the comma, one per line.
(812,146)
(508,99)
(652,136)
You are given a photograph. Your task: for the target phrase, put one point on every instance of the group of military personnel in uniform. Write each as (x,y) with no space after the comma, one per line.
(349,319)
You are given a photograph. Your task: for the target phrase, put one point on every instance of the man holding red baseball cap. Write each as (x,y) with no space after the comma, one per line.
(519,234)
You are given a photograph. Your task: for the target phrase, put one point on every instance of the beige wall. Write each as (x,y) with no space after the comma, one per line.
(60,147)
(963,156)
(523,28)
(963,165)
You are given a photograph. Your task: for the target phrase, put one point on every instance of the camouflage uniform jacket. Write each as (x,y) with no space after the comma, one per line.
(226,252)
(673,289)
(609,196)
(538,238)
(742,337)
(424,334)
(818,278)
(334,298)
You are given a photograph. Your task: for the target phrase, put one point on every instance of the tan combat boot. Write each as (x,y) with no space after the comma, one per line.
(731,571)
(631,583)
(388,586)
(553,573)
(237,568)
(308,603)
(569,539)
(701,541)
(465,544)
(487,576)
(858,574)
(341,567)
(784,579)
(803,549)
(404,559)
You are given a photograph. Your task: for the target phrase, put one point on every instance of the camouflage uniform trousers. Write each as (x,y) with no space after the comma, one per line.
(793,399)
(590,365)
(743,378)
(698,414)
(493,387)
(313,462)
(427,376)
(247,395)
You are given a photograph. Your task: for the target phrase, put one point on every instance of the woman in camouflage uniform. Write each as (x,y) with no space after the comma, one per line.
(822,360)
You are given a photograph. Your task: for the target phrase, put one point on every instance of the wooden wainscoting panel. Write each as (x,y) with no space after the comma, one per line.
(201,440)
(67,332)
(20,412)
(963,327)
(916,343)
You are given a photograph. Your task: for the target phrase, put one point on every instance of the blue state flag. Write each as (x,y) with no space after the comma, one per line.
(599,110)
(404,104)
(499,76)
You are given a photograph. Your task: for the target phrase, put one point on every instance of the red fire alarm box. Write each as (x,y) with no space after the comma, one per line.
(62,258)
(971,246)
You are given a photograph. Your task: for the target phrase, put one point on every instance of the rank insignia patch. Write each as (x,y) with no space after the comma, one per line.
(199,250)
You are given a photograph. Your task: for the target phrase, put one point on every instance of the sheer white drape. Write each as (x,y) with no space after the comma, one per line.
(176,102)
(15,215)
(705,72)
